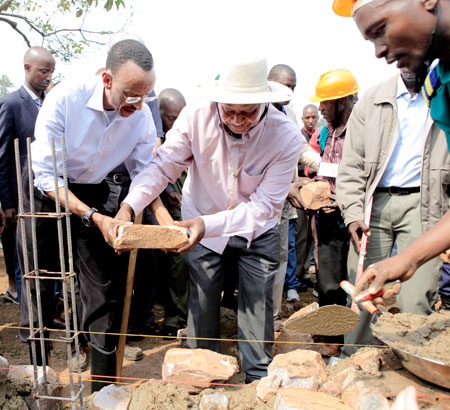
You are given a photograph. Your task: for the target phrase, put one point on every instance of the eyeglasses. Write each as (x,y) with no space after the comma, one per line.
(131,100)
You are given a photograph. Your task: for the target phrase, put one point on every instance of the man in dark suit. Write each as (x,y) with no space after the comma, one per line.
(18,112)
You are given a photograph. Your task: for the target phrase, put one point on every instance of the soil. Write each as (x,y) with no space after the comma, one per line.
(425,336)
(153,347)
(143,377)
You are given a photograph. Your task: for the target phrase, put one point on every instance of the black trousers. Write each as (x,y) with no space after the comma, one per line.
(333,247)
(101,272)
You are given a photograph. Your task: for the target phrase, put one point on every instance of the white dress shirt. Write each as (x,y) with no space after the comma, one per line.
(404,166)
(96,142)
(246,206)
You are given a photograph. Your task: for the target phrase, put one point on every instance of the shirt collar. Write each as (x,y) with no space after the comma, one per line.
(401,87)
(96,100)
(402,91)
(32,94)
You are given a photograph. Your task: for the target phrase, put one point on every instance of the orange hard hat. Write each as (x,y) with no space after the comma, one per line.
(335,84)
(345,7)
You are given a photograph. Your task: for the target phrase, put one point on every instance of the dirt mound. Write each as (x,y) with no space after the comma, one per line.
(426,336)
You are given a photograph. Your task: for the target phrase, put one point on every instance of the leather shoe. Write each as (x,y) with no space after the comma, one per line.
(308,282)
(152,328)
(170,333)
(302,288)
(59,323)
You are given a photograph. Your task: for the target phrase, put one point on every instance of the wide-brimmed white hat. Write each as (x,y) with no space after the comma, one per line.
(245,82)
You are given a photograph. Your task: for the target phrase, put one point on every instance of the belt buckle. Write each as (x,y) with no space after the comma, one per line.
(116,179)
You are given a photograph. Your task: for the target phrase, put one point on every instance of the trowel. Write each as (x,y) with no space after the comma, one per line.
(331,320)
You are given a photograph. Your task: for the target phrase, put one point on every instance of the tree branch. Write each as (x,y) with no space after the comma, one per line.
(26,21)
(5,5)
(13,24)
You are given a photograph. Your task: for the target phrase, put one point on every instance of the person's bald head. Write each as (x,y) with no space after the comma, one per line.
(310,117)
(171,102)
(39,66)
(283,74)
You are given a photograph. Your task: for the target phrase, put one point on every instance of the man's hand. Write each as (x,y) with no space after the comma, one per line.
(294,197)
(175,198)
(2,221)
(11,217)
(108,226)
(355,230)
(125,213)
(376,275)
(157,145)
(197,231)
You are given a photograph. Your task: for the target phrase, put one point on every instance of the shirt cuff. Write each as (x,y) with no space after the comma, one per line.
(136,201)
(213,225)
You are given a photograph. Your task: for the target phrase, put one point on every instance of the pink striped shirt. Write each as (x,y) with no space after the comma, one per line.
(247,205)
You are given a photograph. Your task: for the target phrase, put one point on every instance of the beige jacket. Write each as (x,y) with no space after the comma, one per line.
(372,134)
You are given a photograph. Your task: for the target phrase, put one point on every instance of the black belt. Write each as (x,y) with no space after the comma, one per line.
(118,178)
(395,190)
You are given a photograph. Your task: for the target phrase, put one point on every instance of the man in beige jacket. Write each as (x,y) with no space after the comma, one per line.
(397,155)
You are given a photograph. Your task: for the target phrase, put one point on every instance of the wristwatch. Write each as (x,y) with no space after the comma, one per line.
(87,217)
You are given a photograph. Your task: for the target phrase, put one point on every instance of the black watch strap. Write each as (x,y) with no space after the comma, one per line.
(87,217)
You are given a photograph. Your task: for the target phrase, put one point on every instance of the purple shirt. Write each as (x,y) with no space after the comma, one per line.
(247,205)
(332,153)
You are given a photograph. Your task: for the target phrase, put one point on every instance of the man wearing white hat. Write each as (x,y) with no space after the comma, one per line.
(240,152)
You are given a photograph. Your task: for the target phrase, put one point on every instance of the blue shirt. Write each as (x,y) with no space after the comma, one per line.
(95,142)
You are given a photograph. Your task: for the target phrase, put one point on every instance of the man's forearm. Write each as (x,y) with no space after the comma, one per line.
(431,243)
(76,206)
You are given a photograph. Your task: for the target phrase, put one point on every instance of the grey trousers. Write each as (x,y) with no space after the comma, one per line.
(256,267)
(394,217)
(280,274)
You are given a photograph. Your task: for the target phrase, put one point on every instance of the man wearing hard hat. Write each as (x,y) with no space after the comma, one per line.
(336,92)
(240,152)
(414,33)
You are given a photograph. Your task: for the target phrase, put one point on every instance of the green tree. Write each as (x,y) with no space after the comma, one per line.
(46,19)
(5,85)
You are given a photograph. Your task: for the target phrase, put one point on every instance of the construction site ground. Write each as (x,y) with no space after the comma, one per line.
(168,395)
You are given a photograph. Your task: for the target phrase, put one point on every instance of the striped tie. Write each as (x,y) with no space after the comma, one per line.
(430,85)
(37,101)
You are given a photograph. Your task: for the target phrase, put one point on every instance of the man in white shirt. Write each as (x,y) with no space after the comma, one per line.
(241,153)
(105,122)
(397,155)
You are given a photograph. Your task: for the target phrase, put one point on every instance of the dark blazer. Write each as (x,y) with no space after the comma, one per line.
(18,114)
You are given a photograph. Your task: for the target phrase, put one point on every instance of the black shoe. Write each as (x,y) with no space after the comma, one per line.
(11,298)
(250,379)
(170,333)
(302,288)
(308,282)
(445,302)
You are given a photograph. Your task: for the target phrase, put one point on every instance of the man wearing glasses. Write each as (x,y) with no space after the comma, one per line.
(105,123)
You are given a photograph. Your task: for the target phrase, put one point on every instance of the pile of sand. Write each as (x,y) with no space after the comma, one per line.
(426,336)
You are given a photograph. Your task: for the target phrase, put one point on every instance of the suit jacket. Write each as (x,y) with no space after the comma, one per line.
(18,114)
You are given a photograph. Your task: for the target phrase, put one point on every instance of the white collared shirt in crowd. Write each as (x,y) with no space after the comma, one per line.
(267,156)
(96,140)
(404,167)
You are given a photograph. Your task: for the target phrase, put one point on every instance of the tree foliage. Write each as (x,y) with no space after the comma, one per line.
(5,85)
(46,20)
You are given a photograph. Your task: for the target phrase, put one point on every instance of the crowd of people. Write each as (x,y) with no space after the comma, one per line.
(230,170)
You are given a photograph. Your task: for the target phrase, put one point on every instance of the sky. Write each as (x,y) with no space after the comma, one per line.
(192,40)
